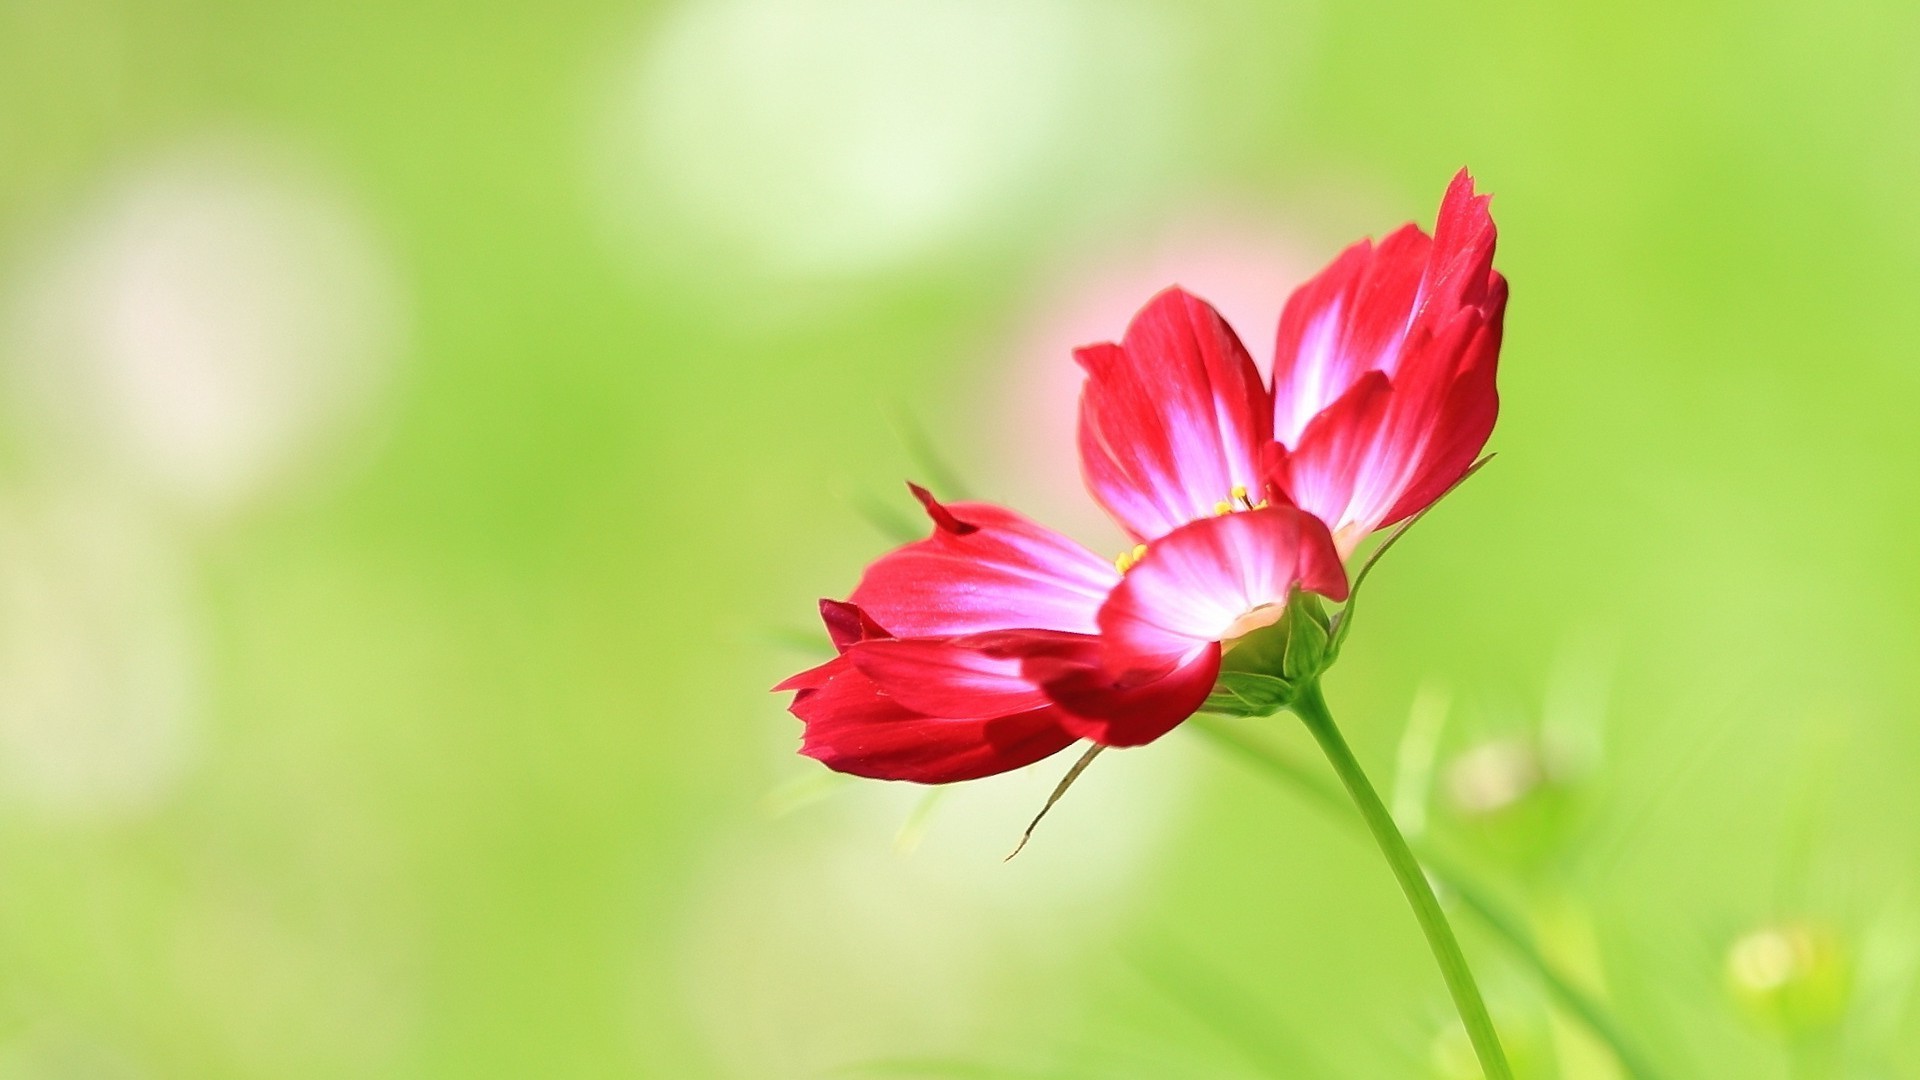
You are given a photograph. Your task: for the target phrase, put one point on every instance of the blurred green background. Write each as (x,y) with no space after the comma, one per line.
(426,425)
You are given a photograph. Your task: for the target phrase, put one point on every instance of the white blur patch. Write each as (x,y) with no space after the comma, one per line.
(1243,263)
(204,326)
(829,938)
(99,661)
(844,136)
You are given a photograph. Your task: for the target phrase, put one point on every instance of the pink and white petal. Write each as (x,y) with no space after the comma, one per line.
(1196,583)
(984,568)
(1327,470)
(1360,313)
(852,727)
(1172,419)
(1310,369)
(1361,466)
(1348,320)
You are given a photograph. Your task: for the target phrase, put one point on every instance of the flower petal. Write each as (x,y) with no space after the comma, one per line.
(1337,457)
(973,675)
(1424,314)
(984,568)
(1197,582)
(847,623)
(1017,670)
(852,727)
(1348,320)
(1173,418)
(1133,707)
(1465,422)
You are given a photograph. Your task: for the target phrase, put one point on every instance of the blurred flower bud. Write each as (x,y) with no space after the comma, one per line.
(1450,1055)
(1515,795)
(1494,776)
(1793,978)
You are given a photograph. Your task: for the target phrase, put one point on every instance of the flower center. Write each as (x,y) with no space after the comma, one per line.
(1237,500)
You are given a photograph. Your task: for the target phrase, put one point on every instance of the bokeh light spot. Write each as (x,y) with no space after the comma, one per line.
(204,325)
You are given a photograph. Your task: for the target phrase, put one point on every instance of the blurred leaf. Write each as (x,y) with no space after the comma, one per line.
(887,519)
(1228,1010)
(803,791)
(810,641)
(941,478)
(939,1069)
(914,828)
(1414,763)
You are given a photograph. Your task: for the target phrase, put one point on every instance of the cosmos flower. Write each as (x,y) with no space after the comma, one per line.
(996,642)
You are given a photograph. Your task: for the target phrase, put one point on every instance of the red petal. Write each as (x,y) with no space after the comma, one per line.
(943,518)
(967,676)
(1172,419)
(811,679)
(852,727)
(1197,582)
(985,568)
(1337,452)
(1133,708)
(1007,672)
(1461,274)
(1464,423)
(847,624)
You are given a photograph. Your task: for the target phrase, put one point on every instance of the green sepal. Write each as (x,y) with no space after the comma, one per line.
(1248,694)
(1260,672)
(1306,654)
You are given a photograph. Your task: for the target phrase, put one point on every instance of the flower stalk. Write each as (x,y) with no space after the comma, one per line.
(1311,707)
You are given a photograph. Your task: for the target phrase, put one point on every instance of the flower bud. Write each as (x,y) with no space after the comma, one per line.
(1516,797)
(1494,776)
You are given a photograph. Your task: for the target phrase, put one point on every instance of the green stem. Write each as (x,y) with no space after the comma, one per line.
(1312,708)
(1505,925)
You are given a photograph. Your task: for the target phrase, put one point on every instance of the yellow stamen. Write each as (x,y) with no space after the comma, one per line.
(1139,552)
(1222,509)
(1239,493)
(1123,562)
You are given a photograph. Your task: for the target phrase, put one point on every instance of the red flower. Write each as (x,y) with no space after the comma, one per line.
(997,642)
